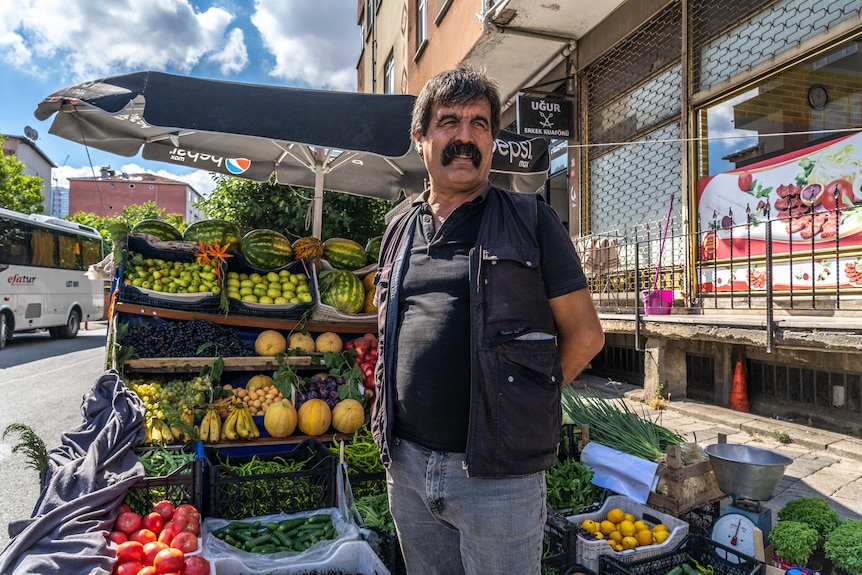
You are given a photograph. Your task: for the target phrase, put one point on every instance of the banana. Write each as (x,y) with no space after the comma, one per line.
(156,432)
(188,417)
(242,428)
(149,428)
(255,432)
(204,430)
(228,430)
(215,426)
(167,434)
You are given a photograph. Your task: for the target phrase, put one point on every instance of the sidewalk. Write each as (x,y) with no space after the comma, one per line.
(825,464)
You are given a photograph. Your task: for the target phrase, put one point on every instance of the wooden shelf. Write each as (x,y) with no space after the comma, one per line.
(194,364)
(247,320)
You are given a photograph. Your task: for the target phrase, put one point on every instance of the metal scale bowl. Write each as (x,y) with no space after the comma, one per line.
(749,475)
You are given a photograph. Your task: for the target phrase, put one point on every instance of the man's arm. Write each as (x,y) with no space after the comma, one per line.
(579,332)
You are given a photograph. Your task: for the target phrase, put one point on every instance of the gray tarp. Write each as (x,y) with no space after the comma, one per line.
(88,477)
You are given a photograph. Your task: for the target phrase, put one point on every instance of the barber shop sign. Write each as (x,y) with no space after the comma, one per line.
(549,117)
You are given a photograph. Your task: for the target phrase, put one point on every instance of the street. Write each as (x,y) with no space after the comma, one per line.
(42,382)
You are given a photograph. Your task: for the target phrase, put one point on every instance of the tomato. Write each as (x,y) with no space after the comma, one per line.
(196,565)
(187,509)
(124,507)
(185,541)
(167,533)
(744,181)
(144,536)
(165,508)
(129,568)
(844,191)
(169,559)
(153,521)
(130,551)
(128,522)
(118,537)
(152,549)
(148,570)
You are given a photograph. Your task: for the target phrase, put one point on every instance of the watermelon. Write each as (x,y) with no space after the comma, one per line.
(342,290)
(162,230)
(344,254)
(221,232)
(266,249)
(372,249)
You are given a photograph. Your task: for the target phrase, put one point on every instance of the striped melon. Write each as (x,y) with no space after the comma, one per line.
(342,290)
(266,249)
(162,230)
(372,249)
(344,254)
(222,232)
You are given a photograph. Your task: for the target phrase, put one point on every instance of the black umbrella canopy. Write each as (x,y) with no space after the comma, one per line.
(341,141)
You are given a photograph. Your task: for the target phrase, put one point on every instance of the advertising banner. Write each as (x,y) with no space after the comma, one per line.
(810,200)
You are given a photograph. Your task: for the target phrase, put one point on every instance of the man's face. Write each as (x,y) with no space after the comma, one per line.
(458,146)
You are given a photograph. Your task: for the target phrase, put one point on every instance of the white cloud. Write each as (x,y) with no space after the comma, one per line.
(320,52)
(87,39)
(234,56)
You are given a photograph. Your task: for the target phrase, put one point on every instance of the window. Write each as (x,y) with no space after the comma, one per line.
(369,17)
(421,23)
(389,75)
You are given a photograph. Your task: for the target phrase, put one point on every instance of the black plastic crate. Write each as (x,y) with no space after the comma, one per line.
(232,495)
(560,537)
(570,437)
(363,483)
(724,560)
(186,302)
(284,311)
(389,551)
(185,485)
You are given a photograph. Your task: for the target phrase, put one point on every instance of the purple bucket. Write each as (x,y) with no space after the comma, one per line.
(658,302)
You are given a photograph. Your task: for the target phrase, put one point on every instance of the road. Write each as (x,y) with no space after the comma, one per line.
(42,382)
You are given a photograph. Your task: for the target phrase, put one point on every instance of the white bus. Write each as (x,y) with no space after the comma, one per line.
(43,285)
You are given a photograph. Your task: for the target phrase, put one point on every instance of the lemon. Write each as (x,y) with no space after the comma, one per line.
(599,535)
(644,537)
(615,536)
(660,527)
(640,525)
(607,527)
(616,515)
(629,542)
(628,517)
(627,528)
(589,526)
(660,536)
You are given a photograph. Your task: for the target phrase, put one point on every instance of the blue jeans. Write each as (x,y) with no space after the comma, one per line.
(451,524)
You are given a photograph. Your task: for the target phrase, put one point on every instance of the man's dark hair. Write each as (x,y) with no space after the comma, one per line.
(460,85)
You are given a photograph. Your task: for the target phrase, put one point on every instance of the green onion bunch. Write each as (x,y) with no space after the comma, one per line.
(613,424)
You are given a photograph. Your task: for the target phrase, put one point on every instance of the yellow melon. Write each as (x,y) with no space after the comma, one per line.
(369,306)
(314,417)
(302,342)
(269,343)
(328,342)
(368,282)
(280,419)
(348,415)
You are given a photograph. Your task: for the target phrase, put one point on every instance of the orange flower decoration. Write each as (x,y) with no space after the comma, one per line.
(214,255)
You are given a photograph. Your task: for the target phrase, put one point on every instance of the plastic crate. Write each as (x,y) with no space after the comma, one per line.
(559,565)
(723,560)
(588,551)
(235,496)
(389,552)
(295,311)
(354,557)
(185,485)
(186,302)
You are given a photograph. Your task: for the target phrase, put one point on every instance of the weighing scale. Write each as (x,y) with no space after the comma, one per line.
(749,475)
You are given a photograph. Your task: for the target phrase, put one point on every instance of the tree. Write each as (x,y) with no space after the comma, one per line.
(285,209)
(19,192)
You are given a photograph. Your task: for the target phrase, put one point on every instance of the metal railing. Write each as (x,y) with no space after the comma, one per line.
(730,269)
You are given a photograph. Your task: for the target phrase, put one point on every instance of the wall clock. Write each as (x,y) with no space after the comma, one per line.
(818,97)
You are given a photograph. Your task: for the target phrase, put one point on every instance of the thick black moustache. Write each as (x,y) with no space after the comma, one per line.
(459,148)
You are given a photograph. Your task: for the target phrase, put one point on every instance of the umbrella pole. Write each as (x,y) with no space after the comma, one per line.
(317,205)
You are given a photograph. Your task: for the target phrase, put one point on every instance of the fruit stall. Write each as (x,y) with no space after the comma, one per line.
(251,362)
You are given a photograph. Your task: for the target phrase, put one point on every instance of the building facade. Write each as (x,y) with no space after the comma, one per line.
(36,163)
(713,185)
(108,194)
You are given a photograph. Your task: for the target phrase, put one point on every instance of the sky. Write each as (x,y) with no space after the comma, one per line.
(46,45)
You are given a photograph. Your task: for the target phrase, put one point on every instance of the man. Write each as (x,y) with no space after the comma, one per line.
(484,316)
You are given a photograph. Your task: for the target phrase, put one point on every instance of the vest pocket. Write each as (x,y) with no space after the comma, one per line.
(527,389)
(511,280)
